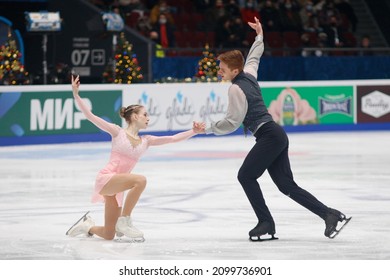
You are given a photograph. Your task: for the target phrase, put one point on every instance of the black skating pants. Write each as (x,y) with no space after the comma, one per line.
(271,153)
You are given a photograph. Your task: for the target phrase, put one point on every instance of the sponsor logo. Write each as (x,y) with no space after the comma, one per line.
(151,107)
(339,104)
(376,104)
(213,108)
(181,111)
(55,114)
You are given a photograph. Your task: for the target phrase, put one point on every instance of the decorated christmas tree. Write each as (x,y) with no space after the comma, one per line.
(207,67)
(12,71)
(124,69)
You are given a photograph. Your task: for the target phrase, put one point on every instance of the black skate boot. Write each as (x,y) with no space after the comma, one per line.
(332,219)
(261,229)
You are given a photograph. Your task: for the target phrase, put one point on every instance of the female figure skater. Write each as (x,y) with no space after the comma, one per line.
(270,152)
(114,179)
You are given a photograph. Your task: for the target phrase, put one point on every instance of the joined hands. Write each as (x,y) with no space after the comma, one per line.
(199,127)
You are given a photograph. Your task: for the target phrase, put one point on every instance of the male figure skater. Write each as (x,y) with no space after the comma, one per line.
(270,152)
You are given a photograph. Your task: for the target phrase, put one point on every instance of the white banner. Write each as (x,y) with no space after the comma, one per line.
(176,106)
(194,269)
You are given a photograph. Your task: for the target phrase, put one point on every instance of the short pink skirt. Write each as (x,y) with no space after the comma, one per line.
(101,180)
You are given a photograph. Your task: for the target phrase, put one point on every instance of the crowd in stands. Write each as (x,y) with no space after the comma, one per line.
(288,24)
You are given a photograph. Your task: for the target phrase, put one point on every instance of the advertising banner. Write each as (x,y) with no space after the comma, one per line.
(310,104)
(54,113)
(176,106)
(35,115)
(373,103)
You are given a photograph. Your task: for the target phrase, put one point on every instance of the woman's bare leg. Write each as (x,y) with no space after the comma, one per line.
(111,214)
(132,197)
(121,182)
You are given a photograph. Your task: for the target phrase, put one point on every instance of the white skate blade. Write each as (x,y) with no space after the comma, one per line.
(125,239)
(344,222)
(262,238)
(67,233)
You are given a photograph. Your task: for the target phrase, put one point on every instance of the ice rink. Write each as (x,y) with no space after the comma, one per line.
(193,207)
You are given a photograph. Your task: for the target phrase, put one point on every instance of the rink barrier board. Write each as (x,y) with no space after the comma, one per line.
(48,114)
(103,137)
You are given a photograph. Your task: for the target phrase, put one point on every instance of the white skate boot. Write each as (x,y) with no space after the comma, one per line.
(124,226)
(82,226)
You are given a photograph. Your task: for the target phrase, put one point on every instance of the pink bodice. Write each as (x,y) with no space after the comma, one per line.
(124,156)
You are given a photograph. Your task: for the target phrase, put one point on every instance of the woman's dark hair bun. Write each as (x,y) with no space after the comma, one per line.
(122,112)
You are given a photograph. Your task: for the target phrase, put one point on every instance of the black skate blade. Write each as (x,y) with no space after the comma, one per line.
(77,222)
(337,231)
(259,239)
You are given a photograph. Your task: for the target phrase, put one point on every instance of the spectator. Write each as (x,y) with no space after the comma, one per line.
(161,8)
(128,6)
(232,9)
(323,42)
(203,5)
(327,12)
(318,5)
(116,10)
(311,24)
(231,33)
(307,43)
(306,12)
(150,3)
(165,32)
(239,31)
(345,8)
(219,10)
(289,14)
(270,17)
(215,16)
(124,6)
(223,33)
(143,25)
(334,33)
(249,12)
(365,45)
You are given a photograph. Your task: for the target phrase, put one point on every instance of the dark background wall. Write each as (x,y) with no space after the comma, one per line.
(380,10)
(81,19)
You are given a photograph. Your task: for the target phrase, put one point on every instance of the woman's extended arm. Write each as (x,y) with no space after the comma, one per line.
(110,128)
(161,140)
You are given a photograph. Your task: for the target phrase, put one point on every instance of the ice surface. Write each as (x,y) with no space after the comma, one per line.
(193,207)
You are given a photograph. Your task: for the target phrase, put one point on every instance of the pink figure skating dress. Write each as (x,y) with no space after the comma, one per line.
(124,156)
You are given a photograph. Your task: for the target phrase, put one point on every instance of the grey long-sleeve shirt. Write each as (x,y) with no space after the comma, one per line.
(238,104)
